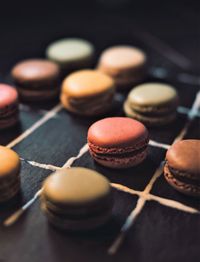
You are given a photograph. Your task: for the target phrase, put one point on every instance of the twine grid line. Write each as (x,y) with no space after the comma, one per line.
(143,196)
(50,114)
(15,216)
(141,201)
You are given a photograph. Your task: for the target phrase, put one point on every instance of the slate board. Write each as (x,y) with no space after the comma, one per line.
(159,233)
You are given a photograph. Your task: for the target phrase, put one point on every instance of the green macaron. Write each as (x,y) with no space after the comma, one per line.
(154,104)
(77,199)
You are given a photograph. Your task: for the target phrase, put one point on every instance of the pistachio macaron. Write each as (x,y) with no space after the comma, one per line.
(9,174)
(125,64)
(77,199)
(87,92)
(71,54)
(154,104)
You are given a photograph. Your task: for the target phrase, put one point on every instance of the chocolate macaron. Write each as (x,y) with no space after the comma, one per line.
(9,174)
(154,104)
(88,92)
(125,64)
(182,168)
(118,142)
(71,54)
(77,199)
(36,79)
(9,113)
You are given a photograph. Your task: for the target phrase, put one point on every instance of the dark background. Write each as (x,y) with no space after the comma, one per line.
(160,233)
(26,27)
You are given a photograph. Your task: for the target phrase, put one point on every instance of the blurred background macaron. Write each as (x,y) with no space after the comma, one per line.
(118,142)
(9,174)
(71,54)
(87,92)
(154,104)
(125,64)
(77,199)
(36,79)
(9,112)
(182,168)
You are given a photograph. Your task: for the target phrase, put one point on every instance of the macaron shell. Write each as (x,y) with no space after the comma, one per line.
(38,95)
(119,163)
(88,106)
(69,50)
(9,190)
(152,94)
(86,83)
(79,211)
(184,156)
(9,163)
(35,70)
(122,57)
(149,120)
(76,187)
(64,223)
(8,96)
(9,122)
(117,132)
(184,188)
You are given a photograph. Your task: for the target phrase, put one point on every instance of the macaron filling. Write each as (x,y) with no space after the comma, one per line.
(77,199)
(93,103)
(181,182)
(118,152)
(182,176)
(154,110)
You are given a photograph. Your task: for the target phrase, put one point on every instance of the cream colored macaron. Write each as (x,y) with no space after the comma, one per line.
(71,53)
(125,64)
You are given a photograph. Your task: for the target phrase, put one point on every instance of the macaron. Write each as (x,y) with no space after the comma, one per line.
(36,79)
(182,168)
(77,199)
(87,92)
(125,64)
(71,54)
(9,174)
(154,104)
(8,106)
(118,142)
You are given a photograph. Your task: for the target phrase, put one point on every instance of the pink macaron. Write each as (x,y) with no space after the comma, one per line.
(8,106)
(118,142)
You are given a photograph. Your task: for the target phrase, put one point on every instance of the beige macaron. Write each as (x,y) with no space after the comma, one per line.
(125,64)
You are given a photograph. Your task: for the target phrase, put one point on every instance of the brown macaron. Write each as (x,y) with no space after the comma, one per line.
(9,174)
(182,168)
(36,79)
(125,64)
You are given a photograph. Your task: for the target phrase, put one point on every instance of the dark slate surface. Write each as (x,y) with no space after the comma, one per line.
(160,233)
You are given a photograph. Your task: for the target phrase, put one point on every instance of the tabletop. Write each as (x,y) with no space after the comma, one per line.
(47,136)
